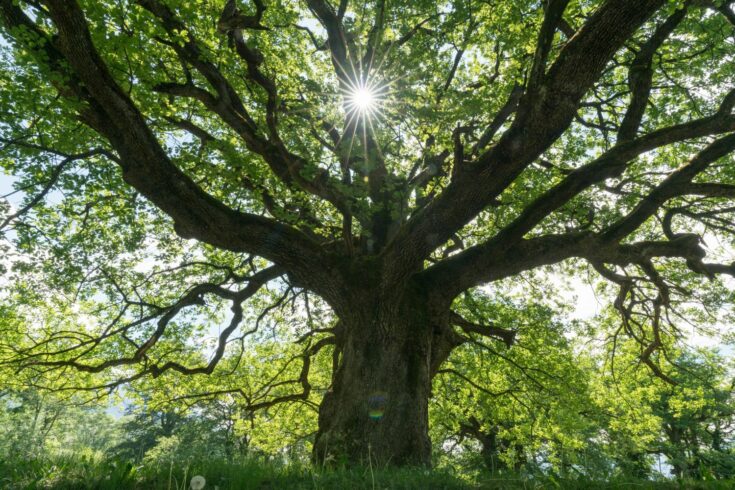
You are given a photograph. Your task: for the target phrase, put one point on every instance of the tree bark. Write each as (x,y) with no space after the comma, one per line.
(376,411)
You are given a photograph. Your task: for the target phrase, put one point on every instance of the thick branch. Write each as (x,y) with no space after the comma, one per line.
(542,117)
(610,165)
(500,118)
(229,106)
(554,12)
(144,163)
(640,76)
(337,40)
(669,187)
(490,262)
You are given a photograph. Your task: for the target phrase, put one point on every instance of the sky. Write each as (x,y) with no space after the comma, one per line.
(6,187)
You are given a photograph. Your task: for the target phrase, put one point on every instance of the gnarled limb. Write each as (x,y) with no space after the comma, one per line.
(612,163)
(229,106)
(144,163)
(40,356)
(640,75)
(481,264)
(541,118)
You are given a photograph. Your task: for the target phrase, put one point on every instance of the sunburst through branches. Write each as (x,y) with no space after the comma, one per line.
(364,100)
(368,100)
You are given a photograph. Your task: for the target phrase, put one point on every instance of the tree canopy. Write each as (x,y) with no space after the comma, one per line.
(335,192)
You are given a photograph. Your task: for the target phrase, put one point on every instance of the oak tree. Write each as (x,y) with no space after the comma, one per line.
(382,157)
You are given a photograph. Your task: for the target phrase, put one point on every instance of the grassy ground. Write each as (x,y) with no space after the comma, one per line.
(90,474)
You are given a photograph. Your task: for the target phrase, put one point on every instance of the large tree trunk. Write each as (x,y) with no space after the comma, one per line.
(376,411)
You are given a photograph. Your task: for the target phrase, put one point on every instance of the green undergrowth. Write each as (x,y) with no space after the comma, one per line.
(89,473)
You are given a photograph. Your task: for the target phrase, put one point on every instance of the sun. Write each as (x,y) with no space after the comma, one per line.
(363,99)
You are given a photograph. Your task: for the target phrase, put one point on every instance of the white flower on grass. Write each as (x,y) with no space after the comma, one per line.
(197,482)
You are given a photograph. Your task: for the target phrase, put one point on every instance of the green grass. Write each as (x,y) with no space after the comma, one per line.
(89,473)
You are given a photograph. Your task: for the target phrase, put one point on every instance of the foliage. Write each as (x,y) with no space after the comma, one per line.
(580,425)
(515,402)
(34,424)
(208,223)
(689,424)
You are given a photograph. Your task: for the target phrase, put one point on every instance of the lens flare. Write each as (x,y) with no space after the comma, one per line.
(376,404)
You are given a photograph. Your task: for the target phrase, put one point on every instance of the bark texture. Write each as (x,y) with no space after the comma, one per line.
(377,408)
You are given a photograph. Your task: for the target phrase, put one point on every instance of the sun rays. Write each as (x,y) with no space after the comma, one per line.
(362,99)
(367,92)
